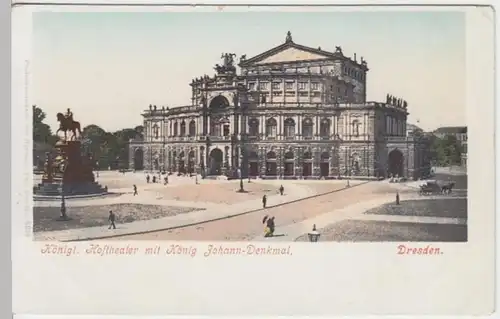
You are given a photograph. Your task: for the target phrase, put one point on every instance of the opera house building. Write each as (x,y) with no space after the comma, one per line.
(290,112)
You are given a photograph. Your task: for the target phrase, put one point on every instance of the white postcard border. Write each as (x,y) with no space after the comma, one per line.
(324,279)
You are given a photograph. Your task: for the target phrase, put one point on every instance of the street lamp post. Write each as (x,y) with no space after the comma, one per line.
(163,138)
(63,216)
(313,235)
(242,138)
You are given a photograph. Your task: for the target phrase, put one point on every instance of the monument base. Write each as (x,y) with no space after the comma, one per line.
(71,189)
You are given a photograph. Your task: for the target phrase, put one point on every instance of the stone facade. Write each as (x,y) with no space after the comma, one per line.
(292,111)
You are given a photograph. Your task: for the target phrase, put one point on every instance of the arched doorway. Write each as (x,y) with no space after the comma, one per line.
(191,159)
(182,168)
(219,102)
(396,163)
(138,159)
(271,166)
(216,159)
(307,164)
(324,165)
(253,164)
(289,164)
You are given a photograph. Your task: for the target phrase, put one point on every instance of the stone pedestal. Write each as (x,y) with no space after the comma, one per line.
(75,175)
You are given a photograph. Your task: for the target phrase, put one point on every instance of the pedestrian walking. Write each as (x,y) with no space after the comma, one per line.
(264,201)
(111,220)
(135,190)
(282,190)
(147,178)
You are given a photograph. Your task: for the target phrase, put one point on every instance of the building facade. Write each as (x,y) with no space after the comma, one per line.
(292,112)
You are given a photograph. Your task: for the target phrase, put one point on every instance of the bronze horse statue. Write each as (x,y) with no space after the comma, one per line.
(67,124)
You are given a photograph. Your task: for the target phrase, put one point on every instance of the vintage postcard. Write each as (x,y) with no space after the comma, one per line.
(176,153)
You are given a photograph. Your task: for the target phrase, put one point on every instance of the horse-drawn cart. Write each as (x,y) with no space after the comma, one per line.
(435,188)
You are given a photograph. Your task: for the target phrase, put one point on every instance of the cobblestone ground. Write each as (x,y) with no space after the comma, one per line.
(220,193)
(45,218)
(366,231)
(246,227)
(451,208)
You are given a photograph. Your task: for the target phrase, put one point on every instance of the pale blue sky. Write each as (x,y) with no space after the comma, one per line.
(108,67)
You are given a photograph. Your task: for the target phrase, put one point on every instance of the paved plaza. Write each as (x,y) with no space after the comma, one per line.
(214,210)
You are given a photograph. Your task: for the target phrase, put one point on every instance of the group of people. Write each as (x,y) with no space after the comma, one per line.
(269,221)
(157,180)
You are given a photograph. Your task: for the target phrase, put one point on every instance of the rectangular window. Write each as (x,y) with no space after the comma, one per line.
(290,93)
(314,86)
(251,86)
(289,85)
(302,85)
(263,86)
(303,94)
(276,85)
(277,93)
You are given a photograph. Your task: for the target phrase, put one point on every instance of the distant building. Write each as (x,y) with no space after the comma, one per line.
(460,133)
(411,129)
(292,111)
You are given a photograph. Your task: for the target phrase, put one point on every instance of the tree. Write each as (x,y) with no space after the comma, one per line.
(111,149)
(41,131)
(445,151)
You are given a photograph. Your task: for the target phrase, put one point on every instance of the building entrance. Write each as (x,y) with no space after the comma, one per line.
(216,160)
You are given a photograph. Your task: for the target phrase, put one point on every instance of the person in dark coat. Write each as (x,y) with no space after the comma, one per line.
(282,190)
(270,224)
(264,201)
(135,190)
(147,178)
(111,220)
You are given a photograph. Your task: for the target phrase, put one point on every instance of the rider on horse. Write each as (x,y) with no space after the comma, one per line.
(68,124)
(69,116)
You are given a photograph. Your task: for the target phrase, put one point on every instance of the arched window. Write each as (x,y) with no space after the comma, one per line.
(355,127)
(324,128)
(271,126)
(156,131)
(307,128)
(176,129)
(289,128)
(192,128)
(253,127)
(183,128)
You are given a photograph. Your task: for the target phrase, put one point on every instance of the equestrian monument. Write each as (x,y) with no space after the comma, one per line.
(70,172)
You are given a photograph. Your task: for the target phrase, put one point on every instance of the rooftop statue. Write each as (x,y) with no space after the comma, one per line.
(288,37)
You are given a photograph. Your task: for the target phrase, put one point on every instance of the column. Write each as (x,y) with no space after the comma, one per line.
(262,126)
(309,88)
(271,90)
(131,157)
(231,123)
(280,120)
(316,126)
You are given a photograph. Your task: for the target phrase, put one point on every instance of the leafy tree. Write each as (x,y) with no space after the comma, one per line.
(110,149)
(446,151)
(41,131)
